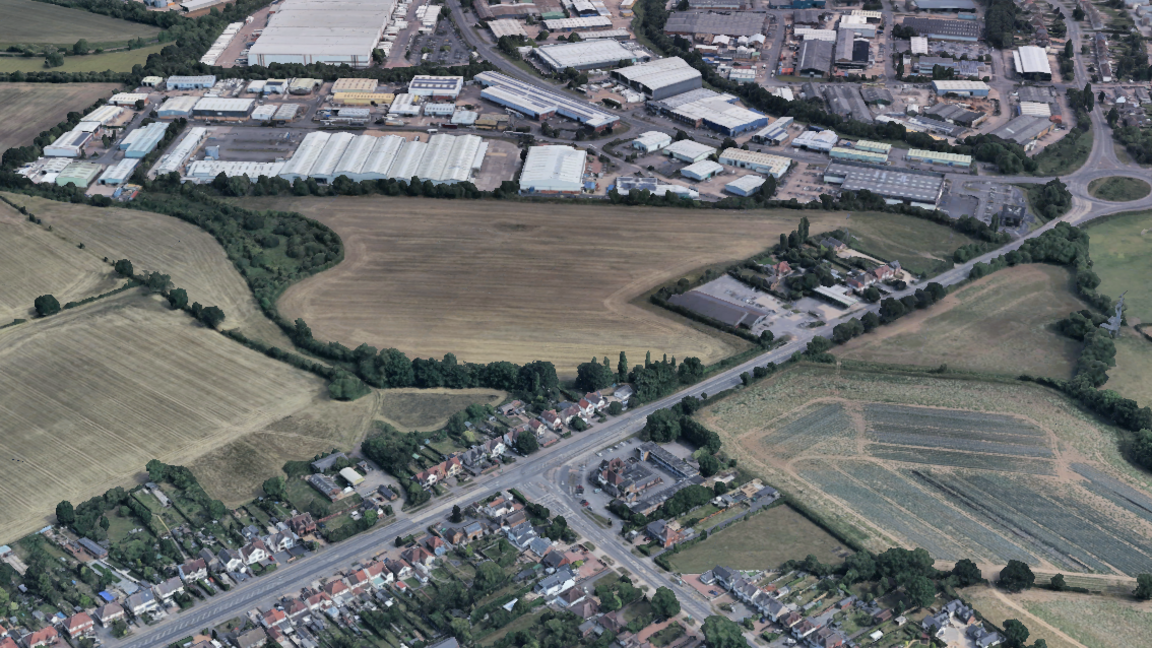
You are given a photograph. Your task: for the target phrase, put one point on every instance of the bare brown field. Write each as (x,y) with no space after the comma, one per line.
(234,472)
(426,410)
(155,242)
(1000,324)
(34,262)
(522,281)
(30,108)
(88,396)
(990,471)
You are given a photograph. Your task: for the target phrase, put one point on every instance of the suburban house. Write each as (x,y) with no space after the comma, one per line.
(254,552)
(273,618)
(79,625)
(142,602)
(418,556)
(378,575)
(557,583)
(473,531)
(552,419)
(387,493)
(436,545)
(231,560)
(665,533)
(953,611)
(833,244)
(496,508)
(440,472)
(537,427)
(302,524)
(193,570)
(169,588)
(336,589)
(110,613)
(597,401)
(623,392)
(252,639)
(41,637)
(295,609)
(540,546)
(280,542)
(520,535)
(359,581)
(399,568)
(572,597)
(984,638)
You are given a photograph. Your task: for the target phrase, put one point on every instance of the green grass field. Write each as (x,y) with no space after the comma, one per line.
(115,61)
(429,409)
(1094,621)
(1119,189)
(1064,156)
(1122,256)
(40,23)
(1000,324)
(1132,375)
(764,541)
(921,246)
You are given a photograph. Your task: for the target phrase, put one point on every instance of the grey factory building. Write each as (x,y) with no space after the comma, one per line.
(661,78)
(909,186)
(691,23)
(845,100)
(815,58)
(945,29)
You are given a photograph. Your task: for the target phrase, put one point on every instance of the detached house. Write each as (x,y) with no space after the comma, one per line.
(142,602)
(595,400)
(193,570)
(557,583)
(231,560)
(41,637)
(169,588)
(79,625)
(109,614)
(302,524)
(436,545)
(418,556)
(254,552)
(336,590)
(551,419)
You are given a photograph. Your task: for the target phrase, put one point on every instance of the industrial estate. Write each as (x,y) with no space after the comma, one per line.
(602,323)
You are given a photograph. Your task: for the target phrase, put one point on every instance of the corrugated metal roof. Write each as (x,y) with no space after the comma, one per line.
(330,156)
(305,156)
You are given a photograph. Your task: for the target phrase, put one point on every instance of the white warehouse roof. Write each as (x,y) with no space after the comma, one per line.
(120,172)
(689,149)
(323,31)
(660,73)
(745,185)
(103,114)
(585,54)
(177,155)
(1031,60)
(553,169)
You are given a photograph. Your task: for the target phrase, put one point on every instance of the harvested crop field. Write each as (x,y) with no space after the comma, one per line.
(234,472)
(1002,323)
(1067,619)
(991,471)
(30,108)
(88,396)
(997,607)
(34,262)
(523,281)
(763,541)
(1121,251)
(155,242)
(44,23)
(428,409)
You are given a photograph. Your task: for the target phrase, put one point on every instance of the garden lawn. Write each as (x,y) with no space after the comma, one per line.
(764,541)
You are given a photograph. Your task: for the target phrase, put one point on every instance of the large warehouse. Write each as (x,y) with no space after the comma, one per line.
(1032,63)
(323,31)
(538,102)
(223,108)
(661,78)
(443,159)
(944,29)
(553,170)
(773,165)
(585,55)
(703,107)
(815,58)
(437,87)
(707,23)
(908,186)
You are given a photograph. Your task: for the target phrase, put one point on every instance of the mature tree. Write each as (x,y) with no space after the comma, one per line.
(1057,583)
(1143,589)
(722,632)
(157,470)
(709,465)
(46,305)
(457,514)
(1015,634)
(663,426)
(65,514)
(920,591)
(489,576)
(178,298)
(615,408)
(212,316)
(124,268)
(966,573)
(526,443)
(610,601)
(664,603)
(622,368)
(274,487)
(592,376)
(1017,576)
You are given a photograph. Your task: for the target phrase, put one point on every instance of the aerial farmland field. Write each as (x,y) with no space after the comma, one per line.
(991,471)
(1132,375)
(34,261)
(1002,323)
(42,23)
(90,395)
(155,242)
(1060,617)
(30,108)
(1121,249)
(524,281)
(429,409)
(116,61)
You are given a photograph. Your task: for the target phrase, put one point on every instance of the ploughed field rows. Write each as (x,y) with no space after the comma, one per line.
(961,459)
(89,396)
(1116,491)
(820,423)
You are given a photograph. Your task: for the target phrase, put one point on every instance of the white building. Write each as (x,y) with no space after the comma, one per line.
(585,55)
(823,141)
(446,87)
(338,32)
(1031,60)
(702,170)
(405,105)
(119,173)
(689,151)
(553,169)
(69,144)
(745,186)
(774,165)
(175,158)
(652,141)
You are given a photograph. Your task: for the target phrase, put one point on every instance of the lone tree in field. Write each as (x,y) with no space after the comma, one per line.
(46,305)
(124,268)
(65,514)
(1017,576)
(1143,589)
